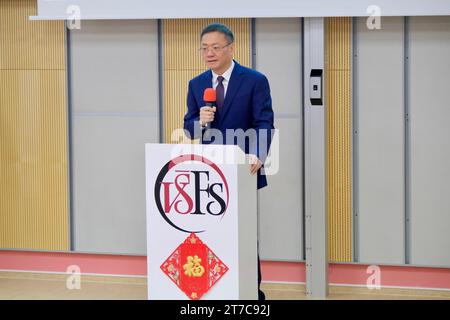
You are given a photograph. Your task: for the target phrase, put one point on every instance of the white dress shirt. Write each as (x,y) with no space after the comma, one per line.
(226,75)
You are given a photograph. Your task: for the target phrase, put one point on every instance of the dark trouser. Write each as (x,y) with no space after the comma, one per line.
(261,295)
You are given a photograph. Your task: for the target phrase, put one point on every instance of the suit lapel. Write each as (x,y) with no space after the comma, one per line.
(233,86)
(206,82)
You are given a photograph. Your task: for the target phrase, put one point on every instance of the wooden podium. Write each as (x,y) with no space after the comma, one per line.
(201,223)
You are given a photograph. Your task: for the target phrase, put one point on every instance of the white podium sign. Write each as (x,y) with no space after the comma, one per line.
(201,223)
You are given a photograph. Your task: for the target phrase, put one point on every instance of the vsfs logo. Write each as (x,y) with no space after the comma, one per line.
(191,193)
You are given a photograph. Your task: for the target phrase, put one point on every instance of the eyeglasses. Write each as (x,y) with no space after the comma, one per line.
(215,49)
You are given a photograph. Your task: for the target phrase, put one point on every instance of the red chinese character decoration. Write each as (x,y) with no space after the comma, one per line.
(193,267)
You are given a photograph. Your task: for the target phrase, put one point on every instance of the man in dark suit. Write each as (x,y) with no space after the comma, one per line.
(243,103)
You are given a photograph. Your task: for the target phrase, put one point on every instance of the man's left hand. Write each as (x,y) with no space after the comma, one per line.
(255,163)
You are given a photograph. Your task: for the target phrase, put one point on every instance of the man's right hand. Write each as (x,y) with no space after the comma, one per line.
(206,115)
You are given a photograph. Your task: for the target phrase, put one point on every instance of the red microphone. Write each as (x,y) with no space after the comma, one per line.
(209,96)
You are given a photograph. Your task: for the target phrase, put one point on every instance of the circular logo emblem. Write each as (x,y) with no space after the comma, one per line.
(191,193)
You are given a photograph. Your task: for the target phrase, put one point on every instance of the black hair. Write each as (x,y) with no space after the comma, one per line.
(218,27)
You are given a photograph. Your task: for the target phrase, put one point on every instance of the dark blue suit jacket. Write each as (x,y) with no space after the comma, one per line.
(247,105)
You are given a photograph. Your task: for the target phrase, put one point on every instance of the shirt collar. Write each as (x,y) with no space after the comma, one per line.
(226,74)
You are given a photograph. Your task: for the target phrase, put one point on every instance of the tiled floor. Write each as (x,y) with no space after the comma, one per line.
(18,285)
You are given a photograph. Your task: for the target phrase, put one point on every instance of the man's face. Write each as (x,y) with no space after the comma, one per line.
(216,51)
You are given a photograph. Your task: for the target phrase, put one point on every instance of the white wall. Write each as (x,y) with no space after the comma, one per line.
(278,54)
(115,110)
(379,110)
(402,172)
(430,140)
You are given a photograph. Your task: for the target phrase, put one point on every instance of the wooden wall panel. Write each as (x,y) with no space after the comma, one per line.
(33,131)
(339,164)
(26,44)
